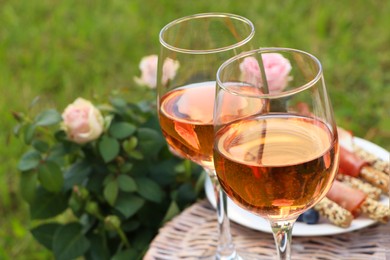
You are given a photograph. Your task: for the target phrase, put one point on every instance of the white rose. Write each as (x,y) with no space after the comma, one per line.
(82,121)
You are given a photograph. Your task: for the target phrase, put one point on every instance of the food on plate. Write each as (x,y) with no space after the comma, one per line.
(349,198)
(343,203)
(375,210)
(358,202)
(347,142)
(356,183)
(352,165)
(310,217)
(334,213)
(376,162)
(362,180)
(376,178)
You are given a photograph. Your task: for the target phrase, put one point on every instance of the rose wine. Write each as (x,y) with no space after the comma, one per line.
(276,166)
(186,120)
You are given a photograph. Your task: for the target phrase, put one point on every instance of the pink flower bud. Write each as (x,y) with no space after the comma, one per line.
(82,121)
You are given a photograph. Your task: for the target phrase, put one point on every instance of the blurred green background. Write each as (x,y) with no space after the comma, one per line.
(60,50)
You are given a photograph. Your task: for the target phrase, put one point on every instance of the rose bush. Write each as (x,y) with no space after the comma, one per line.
(100,180)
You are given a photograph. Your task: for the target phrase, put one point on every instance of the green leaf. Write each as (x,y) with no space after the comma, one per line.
(163,172)
(61,135)
(150,141)
(126,167)
(108,148)
(125,255)
(172,211)
(199,185)
(29,131)
(95,182)
(136,155)
(40,146)
(29,161)
(126,183)
(46,204)
(109,178)
(69,242)
(122,130)
(44,234)
(48,117)
(151,214)
(118,103)
(143,239)
(111,192)
(186,192)
(28,185)
(50,176)
(99,248)
(131,225)
(76,174)
(60,150)
(149,189)
(128,204)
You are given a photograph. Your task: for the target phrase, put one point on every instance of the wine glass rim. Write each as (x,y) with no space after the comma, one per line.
(207,15)
(281,94)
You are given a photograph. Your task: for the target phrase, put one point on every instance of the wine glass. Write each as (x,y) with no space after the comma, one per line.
(192,49)
(275,146)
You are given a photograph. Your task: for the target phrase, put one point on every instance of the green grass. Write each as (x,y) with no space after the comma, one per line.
(60,50)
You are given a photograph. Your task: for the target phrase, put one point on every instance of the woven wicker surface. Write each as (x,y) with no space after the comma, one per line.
(194,232)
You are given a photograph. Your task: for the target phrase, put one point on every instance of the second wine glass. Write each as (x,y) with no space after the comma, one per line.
(192,49)
(276,145)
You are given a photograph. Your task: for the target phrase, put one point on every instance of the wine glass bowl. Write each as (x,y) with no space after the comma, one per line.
(199,44)
(276,145)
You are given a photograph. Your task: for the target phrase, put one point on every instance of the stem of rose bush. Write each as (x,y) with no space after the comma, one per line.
(123,237)
(113,223)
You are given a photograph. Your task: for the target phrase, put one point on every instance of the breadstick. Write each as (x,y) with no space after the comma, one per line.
(336,214)
(371,191)
(376,178)
(375,210)
(373,160)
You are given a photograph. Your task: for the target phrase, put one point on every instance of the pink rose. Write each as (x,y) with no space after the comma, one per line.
(250,71)
(82,121)
(169,70)
(276,69)
(148,67)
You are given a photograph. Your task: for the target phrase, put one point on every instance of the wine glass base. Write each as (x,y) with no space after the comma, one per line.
(212,255)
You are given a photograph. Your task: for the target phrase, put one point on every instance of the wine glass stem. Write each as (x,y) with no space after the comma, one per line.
(282,231)
(225,249)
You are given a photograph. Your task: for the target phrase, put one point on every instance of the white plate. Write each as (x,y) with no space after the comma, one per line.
(322,228)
